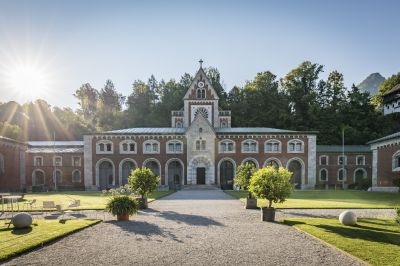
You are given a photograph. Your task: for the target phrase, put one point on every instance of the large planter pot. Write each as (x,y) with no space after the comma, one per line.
(123,217)
(251,203)
(142,203)
(268,214)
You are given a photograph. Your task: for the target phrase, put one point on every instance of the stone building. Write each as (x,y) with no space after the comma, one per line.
(200,148)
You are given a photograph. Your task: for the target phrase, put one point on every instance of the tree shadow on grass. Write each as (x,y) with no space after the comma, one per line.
(188,219)
(309,215)
(144,229)
(364,233)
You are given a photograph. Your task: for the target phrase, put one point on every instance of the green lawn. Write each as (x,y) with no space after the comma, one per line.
(89,200)
(16,241)
(331,199)
(375,241)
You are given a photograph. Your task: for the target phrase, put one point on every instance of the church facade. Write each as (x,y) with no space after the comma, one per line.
(200,147)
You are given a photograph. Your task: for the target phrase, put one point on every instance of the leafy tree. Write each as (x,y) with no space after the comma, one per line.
(301,86)
(243,175)
(271,184)
(87,98)
(385,86)
(9,130)
(214,77)
(143,181)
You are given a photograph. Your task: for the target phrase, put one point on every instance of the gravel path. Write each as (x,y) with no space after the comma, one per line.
(188,228)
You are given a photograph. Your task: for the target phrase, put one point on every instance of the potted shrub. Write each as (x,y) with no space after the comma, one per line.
(122,206)
(273,185)
(242,180)
(143,181)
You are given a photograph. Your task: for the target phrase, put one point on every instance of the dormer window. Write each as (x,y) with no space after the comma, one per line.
(151,146)
(272,146)
(295,146)
(249,146)
(104,147)
(174,146)
(127,147)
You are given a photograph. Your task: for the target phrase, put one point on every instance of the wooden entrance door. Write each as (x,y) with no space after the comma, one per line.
(201,175)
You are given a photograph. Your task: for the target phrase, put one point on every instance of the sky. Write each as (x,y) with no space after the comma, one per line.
(48,49)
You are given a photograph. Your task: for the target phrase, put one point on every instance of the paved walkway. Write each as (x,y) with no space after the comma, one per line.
(188,228)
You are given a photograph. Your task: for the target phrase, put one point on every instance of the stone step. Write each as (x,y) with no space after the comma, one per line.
(200,187)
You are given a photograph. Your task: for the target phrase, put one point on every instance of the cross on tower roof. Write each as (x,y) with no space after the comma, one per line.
(201,63)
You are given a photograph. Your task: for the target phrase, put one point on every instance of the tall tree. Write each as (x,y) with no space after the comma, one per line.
(301,86)
(87,98)
(385,86)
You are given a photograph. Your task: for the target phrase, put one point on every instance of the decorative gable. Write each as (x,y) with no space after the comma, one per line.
(201,88)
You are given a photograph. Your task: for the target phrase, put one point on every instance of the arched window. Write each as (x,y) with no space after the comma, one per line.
(38,178)
(201,93)
(151,147)
(127,147)
(76,176)
(341,175)
(272,146)
(396,161)
(226,146)
(174,146)
(249,146)
(178,124)
(2,171)
(295,146)
(251,161)
(359,175)
(153,165)
(57,177)
(323,175)
(201,145)
(104,147)
(273,163)
(224,124)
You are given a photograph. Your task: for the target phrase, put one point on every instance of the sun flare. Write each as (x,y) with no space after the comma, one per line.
(27,79)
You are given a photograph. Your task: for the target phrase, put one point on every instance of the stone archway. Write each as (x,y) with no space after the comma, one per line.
(125,168)
(106,178)
(201,167)
(226,171)
(174,174)
(296,166)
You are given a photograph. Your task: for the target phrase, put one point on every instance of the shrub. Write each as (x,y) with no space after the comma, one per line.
(143,181)
(271,184)
(243,175)
(122,204)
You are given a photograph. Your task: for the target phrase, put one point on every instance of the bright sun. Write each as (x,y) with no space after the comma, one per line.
(26,78)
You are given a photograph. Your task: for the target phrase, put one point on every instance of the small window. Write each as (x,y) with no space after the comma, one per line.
(125,147)
(226,146)
(342,160)
(360,160)
(323,175)
(76,161)
(132,147)
(200,145)
(171,147)
(249,146)
(323,160)
(104,147)
(151,146)
(57,161)
(38,161)
(201,93)
(295,146)
(272,146)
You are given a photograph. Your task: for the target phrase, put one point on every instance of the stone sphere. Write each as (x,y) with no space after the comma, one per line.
(22,220)
(348,218)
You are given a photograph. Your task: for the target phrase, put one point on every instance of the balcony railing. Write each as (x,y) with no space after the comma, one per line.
(177,113)
(224,113)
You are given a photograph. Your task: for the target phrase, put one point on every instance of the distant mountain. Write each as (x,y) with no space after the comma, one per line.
(371,83)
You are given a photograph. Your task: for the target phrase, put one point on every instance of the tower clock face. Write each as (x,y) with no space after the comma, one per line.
(200,84)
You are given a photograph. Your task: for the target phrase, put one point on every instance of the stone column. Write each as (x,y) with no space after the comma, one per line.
(312,161)
(88,163)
